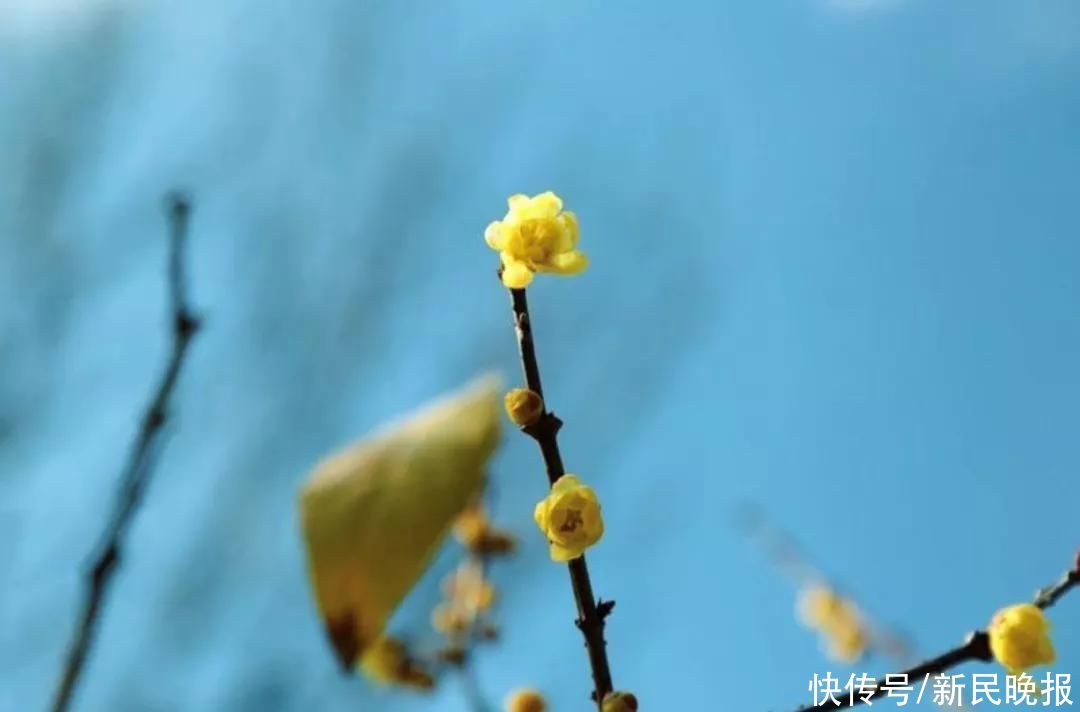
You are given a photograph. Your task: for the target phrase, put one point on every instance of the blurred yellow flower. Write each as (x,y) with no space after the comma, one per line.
(467,586)
(570,518)
(1020,638)
(536,235)
(471,525)
(451,618)
(473,529)
(619,702)
(526,700)
(388,662)
(837,620)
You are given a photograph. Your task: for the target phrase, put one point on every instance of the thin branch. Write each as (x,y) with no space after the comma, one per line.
(975,647)
(591,612)
(474,696)
(137,472)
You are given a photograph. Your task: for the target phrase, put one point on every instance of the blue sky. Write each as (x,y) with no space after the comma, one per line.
(834,271)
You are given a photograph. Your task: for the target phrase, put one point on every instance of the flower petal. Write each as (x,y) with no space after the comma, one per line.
(540,515)
(516,275)
(494,236)
(546,204)
(563,554)
(573,262)
(517,202)
(564,484)
(569,223)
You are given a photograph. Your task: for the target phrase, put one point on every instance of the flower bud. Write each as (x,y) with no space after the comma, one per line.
(1020,638)
(619,702)
(524,406)
(526,700)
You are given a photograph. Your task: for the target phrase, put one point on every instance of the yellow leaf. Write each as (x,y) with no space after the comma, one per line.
(374,514)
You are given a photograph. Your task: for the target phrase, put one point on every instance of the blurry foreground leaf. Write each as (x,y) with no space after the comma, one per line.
(374,514)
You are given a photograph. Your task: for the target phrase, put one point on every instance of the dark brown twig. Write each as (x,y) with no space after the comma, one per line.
(591,612)
(975,647)
(137,472)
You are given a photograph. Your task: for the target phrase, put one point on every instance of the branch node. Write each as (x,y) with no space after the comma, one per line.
(978,644)
(186,324)
(546,427)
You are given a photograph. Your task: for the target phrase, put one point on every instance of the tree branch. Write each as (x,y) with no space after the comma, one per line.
(136,474)
(591,612)
(975,647)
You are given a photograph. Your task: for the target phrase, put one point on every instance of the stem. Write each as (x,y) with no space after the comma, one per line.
(976,647)
(591,612)
(137,472)
(474,696)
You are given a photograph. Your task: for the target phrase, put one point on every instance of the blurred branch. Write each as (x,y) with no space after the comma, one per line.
(786,555)
(975,647)
(139,467)
(474,696)
(483,544)
(591,612)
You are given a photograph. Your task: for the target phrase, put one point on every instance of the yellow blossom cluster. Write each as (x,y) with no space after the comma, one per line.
(837,620)
(468,596)
(536,235)
(570,518)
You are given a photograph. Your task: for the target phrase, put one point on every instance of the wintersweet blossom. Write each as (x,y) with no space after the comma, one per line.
(1020,638)
(475,531)
(570,518)
(468,585)
(836,619)
(536,235)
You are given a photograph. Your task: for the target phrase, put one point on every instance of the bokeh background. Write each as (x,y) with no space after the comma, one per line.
(835,269)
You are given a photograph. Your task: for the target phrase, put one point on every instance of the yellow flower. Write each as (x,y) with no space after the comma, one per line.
(836,619)
(536,235)
(467,586)
(570,518)
(388,662)
(847,644)
(473,529)
(1020,638)
(523,406)
(471,525)
(619,702)
(451,618)
(526,700)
